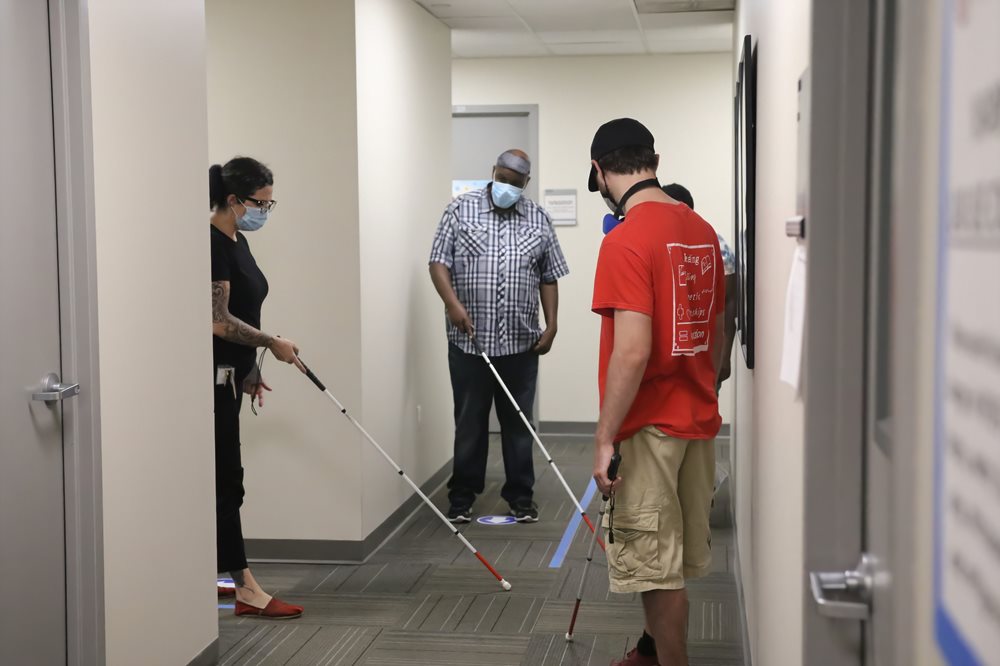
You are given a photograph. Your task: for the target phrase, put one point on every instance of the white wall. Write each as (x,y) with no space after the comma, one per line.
(685,100)
(147,65)
(769,421)
(282,89)
(404,180)
(354,105)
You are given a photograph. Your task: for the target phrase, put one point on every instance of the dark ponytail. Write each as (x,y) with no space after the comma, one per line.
(241,176)
(216,187)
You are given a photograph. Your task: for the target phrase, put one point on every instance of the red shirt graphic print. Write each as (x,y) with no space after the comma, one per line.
(693,295)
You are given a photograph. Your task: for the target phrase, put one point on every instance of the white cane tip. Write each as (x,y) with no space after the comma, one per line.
(569,638)
(505,585)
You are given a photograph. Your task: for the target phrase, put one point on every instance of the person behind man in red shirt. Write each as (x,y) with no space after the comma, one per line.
(660,291)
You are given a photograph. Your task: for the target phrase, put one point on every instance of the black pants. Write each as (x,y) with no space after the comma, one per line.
(230,553)
(475,390)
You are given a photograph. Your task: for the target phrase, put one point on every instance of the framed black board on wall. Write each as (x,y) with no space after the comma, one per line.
(745,182)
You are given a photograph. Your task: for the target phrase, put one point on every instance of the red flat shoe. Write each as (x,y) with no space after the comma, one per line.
(276,609)
(226,591)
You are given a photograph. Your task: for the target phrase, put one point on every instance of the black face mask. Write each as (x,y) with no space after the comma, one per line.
(619,206)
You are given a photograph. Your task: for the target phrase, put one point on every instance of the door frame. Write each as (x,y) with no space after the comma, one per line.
(915,245)
(836,296)
(531,110)
(69,45)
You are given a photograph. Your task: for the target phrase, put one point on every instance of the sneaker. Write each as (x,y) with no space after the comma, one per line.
(633,658)
(459,514)
(524,512)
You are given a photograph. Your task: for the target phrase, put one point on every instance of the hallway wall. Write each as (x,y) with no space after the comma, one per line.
(147,69)
(349,103)
(404,176)
(686,102)
(768,442)
(290,101)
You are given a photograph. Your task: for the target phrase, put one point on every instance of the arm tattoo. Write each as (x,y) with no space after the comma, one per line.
(234,330)
(238,578)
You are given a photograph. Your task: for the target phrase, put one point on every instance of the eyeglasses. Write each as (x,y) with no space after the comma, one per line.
(267,206)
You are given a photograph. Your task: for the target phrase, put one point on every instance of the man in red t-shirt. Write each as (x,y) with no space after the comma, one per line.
(660,291)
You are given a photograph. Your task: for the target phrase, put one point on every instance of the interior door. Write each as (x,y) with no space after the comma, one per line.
(836,351)
(479,135)
(32,541)
(854,621)
(878,421)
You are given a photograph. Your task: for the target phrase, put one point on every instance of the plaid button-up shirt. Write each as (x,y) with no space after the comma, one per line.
(497,263)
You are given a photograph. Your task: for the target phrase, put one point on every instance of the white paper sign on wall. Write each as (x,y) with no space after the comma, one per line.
(967,433)
(561,206)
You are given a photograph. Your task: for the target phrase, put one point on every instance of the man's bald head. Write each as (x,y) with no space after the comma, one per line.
(513,166)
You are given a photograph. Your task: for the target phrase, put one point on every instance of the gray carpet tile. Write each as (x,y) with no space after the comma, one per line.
(396,648)
(422,598)
(277,645)
(473,578)
(335,646)
(583,650)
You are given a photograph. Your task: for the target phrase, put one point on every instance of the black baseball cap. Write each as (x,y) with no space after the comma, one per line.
(615,134)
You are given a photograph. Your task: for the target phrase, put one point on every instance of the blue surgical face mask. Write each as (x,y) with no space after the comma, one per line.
(505,195)
(252,220)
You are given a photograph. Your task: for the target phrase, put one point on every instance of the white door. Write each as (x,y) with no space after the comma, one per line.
(32,533)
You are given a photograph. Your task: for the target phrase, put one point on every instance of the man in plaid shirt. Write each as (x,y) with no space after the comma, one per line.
(495,255)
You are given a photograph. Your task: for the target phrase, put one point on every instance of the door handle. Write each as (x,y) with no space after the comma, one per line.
(54,391)
(845,595)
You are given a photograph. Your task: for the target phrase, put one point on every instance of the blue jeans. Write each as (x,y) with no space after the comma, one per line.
(475,390)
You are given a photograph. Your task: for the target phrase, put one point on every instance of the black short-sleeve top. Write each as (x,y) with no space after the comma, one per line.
(232,262)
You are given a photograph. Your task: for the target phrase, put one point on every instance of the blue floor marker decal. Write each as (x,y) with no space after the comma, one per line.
(496,520)
(226,582)
(574,523)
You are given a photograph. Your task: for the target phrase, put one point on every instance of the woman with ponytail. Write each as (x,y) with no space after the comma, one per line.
(240,196)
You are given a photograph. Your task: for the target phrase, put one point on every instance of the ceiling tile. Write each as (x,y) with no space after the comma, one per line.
(666,6)
(476,44)
(496,28)
(445,9)
(565,15)
(686,20)
(483,23)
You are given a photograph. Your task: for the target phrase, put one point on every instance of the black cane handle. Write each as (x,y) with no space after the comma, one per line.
(312,377)
(616,461)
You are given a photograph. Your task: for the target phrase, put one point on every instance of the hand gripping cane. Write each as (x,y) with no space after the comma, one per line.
(534,435)
(465,542)
(616,460)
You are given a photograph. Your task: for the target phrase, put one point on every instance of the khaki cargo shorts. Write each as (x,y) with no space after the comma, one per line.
(661,531)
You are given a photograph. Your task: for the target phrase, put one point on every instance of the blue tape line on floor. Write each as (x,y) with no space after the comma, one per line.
(227,605)
(574,523)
